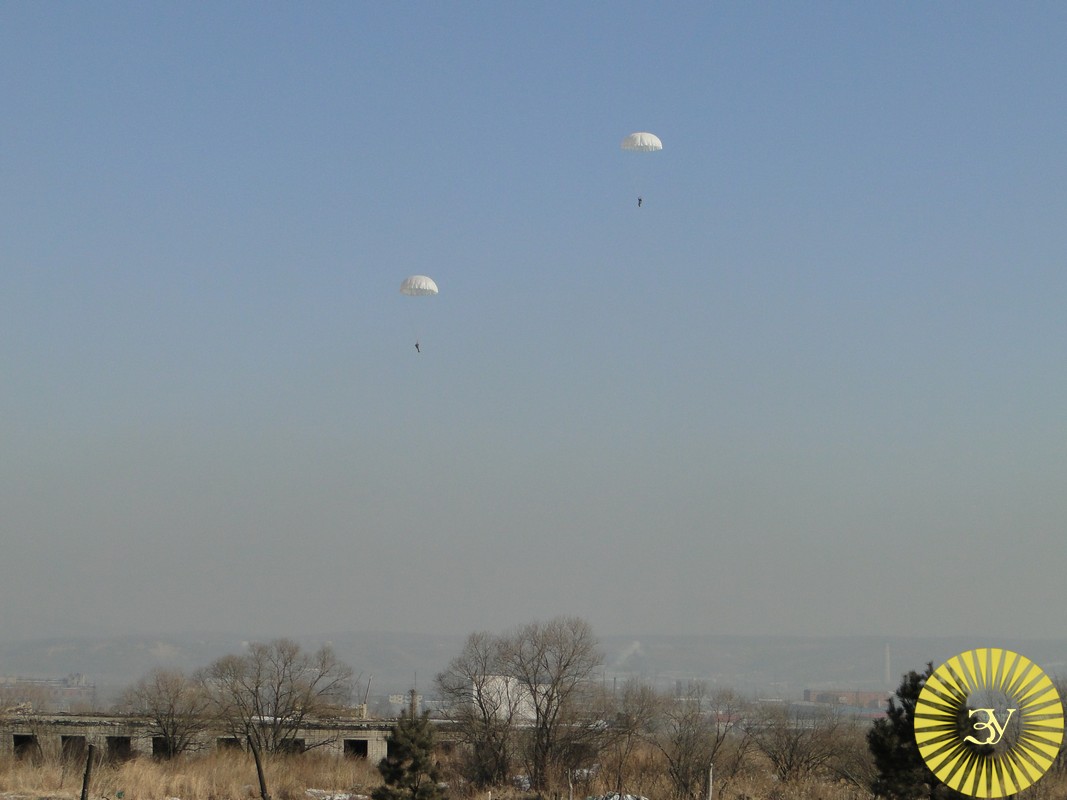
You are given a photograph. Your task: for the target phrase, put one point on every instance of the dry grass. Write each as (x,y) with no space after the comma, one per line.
(218,776)
(232,776)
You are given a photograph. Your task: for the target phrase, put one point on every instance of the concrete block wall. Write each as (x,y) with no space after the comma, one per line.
(122,737)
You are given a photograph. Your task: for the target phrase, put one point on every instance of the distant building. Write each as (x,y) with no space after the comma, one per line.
(72,693)
(402,703)
(868,701)
(507,695)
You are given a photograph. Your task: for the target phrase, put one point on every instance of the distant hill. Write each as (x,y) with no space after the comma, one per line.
(779,666)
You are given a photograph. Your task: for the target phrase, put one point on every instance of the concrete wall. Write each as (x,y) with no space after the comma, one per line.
(52,735)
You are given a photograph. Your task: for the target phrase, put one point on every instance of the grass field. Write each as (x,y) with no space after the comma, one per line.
(219,776)
(229,775)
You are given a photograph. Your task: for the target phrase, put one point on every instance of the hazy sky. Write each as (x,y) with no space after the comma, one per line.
(816,384)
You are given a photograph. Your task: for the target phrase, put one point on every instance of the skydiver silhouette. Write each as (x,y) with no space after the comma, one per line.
(417,349)
(638,202)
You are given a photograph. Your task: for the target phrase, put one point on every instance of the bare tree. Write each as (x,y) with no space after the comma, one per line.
(799,745)
(696,731)
(634,715)
(731,742)
(553,663)
(686,739)
(268,693)
(483,704)
(176,704)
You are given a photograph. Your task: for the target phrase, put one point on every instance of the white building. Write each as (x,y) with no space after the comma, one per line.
(506,696)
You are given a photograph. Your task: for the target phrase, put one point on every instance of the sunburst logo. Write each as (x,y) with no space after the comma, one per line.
(989,723)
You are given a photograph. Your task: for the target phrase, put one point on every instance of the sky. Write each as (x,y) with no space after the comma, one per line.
(815,384)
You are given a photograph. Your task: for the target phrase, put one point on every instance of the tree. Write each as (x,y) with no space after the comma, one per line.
(525,690)
(175,704)
(800,746)
(552,663)
(699,730)
(901,772)
(267,693)
(632,719)
(693,730)
(732,742)
(483,706)
(410,770)
(1059,766)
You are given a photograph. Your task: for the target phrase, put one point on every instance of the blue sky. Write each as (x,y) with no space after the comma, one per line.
(815,384)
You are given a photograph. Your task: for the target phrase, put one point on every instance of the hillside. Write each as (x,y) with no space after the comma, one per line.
(393,662)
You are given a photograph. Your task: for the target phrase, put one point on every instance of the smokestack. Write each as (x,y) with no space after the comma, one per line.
(888,673)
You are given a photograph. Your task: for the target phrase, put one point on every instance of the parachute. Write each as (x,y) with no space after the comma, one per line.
(418,286)
(642,143)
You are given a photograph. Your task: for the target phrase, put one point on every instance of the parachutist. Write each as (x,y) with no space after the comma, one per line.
(418,286)
(642,142)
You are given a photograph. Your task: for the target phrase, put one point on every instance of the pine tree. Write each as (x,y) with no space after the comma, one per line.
(902,772)
(410,770)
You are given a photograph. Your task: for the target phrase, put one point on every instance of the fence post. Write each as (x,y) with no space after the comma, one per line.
(88,772)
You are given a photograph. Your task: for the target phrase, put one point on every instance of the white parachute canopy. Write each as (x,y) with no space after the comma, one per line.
(642,142)
(418,286)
